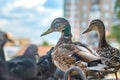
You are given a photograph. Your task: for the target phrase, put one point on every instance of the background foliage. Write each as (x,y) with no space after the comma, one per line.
(115,31)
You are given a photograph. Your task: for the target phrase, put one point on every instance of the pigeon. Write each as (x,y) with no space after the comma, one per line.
(46,66)
(25,66)
(4,72)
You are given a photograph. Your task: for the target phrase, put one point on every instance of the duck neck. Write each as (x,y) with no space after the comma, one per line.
(102,38)
(67,31)
(2,55)
(65,37)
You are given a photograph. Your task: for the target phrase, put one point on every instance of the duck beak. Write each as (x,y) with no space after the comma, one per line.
(88,30)
(50,30)
(10,40)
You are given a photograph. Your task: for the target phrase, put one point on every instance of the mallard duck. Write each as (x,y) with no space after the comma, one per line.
(67,53)
(110,56)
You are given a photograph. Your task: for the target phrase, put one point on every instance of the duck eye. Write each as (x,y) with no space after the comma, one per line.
(93,23)
(56,25)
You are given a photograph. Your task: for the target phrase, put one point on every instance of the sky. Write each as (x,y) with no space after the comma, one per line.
(30,18)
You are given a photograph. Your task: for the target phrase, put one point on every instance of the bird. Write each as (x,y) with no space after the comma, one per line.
(25,66)
(110,56)
(67,53)
(3,40)
(5,73)
(4,69)
(46,68)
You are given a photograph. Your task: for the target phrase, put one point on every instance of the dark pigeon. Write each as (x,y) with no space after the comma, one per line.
(4,72)
(46,66)
(25,66)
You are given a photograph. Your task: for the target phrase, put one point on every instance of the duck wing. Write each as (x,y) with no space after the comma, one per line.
(110,56)
(80,50)
(83,46)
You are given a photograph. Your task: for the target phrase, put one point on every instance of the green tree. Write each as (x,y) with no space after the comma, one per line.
(115,31)
(117,8)
(45,43)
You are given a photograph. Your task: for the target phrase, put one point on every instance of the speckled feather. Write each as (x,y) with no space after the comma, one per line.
(110,56)
(62,55)
(63,58)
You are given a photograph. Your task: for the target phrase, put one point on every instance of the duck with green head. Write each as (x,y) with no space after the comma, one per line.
(67,53)
(110,56)
(63,26)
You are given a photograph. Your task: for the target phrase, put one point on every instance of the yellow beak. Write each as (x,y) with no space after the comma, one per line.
(47,32)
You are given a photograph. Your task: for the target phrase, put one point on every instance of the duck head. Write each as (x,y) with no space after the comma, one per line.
(4,38)
(59,25)
(95,25)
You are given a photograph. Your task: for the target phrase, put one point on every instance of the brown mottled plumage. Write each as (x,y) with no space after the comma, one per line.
(67,53)
(110,56)
(63,57)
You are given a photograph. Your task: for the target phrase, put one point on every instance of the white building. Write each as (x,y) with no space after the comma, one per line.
(81,12)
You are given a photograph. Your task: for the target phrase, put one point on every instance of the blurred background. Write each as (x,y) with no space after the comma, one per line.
(25,20)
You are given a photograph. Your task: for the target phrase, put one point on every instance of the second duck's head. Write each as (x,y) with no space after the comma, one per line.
(4,38)
(59,25)
(96,24)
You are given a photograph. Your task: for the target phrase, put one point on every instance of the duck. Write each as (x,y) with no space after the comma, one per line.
(4,68)
(25,66)
(3,40)
(110,56)
(67,53)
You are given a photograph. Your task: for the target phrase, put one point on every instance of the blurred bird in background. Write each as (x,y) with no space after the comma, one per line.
(25,66)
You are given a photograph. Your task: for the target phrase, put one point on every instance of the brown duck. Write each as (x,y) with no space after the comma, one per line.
(67,53)
(110,56)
